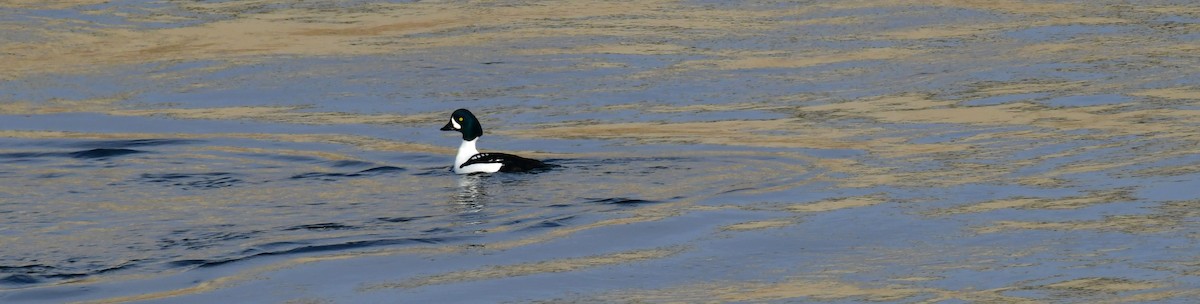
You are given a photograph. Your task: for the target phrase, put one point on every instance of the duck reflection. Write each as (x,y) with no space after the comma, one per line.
(470,195)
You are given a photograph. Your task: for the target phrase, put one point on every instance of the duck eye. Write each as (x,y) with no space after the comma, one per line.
(460,119)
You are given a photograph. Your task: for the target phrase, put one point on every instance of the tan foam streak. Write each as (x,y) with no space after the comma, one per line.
(524,269)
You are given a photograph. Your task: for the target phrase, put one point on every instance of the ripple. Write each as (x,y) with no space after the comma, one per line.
(551,223)
(321,227)
(349,163)
(19,279)
(400,219)
(331,176)
(97,153)
(209,180)
(310,248)
(117,144)
(102,153)
(621,201)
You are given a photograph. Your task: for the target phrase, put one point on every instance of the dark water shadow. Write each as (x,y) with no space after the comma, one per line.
(332,176)
(321,227)
(91,150)
(97,153)
(401,219)
(306,248)
(547,223)
(621,201)
(120,144)
(100,153)
(31,275)
(188,181)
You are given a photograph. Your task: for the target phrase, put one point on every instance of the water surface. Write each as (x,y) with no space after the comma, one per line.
(704,151)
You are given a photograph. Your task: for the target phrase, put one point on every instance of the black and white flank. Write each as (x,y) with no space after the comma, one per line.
(469,160)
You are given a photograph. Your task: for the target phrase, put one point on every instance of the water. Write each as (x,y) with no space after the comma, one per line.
(288,151)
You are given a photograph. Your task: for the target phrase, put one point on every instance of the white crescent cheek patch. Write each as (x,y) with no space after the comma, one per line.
(456,125)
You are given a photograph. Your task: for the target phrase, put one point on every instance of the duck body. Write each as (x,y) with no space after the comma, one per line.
(469,160)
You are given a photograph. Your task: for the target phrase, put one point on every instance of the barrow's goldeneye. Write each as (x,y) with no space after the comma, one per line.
(469,160)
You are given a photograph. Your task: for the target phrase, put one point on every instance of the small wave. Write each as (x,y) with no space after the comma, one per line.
(320,227)
(291,158)
(34,274)
(97,153)
(22,155)
(25,275)
(193,241)
(622,201)
(116,144)
(255,253)
(443,170)
(19,279)
(100,153)
(550,223)
(400,219)
(209,180)
(349,163)
(330,176)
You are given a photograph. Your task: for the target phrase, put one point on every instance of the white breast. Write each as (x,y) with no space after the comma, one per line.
(465,151)
(473,168)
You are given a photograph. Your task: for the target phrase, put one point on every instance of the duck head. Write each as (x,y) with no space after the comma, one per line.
(466,123)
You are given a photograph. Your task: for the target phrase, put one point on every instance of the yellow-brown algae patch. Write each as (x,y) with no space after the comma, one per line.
(916,279)
(524,269)
(1103,285)
(801,60)
(906,102)
(960,30)
(1189,93)
(1125,223)
(309,300)
(777,133)
(56,105)
(317,154)
(912,108)
(1017,7)
(198,288)
(841,20)
(812,289)
(381,29)
(1171,170)
(821,290)
(759,225)
(364,142)
(48,4)
(619,48)
(1154,296)
(1043,182)
(699,108)
(838,203)
(1026,87)
(1120,161)
(940,32)
(1074,202)
(818,289)
(284,115)
(1043,49)
(1170,9)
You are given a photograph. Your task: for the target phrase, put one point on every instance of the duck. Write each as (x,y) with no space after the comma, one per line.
(469,160)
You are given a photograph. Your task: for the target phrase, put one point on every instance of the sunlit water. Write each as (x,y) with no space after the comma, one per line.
(702,151)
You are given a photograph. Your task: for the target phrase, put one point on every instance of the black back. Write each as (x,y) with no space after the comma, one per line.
(511,163)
